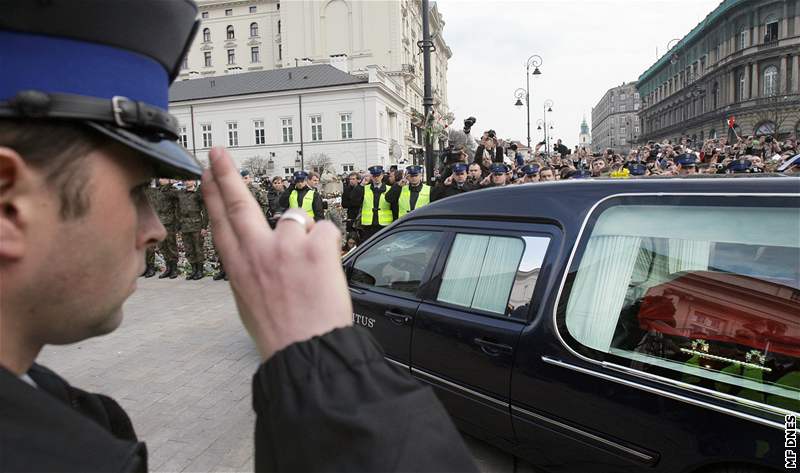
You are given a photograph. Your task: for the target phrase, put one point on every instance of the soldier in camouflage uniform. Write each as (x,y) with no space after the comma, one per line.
(193,221)
(261,197)
(150,253)
(165,202)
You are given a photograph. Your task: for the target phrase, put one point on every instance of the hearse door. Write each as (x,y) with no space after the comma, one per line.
(384,282)
(468,325)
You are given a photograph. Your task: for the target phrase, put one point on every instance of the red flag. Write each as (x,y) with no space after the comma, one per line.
(731,121)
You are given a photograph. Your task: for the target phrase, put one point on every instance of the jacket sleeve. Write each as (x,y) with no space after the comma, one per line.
(357,196)
(437,192)
(316,205)
(499,154)
(283,201)
(393,194)
(333,403)
(478,158)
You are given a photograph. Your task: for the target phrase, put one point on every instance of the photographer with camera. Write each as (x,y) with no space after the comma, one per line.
(463,137)
(489,148)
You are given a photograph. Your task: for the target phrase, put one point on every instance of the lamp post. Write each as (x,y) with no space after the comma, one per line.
(534,61)
(546,107)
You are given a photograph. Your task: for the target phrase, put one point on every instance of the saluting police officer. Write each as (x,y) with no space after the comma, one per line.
(456,183)
(410,192)
(300,195)
(376,211)
(194,221)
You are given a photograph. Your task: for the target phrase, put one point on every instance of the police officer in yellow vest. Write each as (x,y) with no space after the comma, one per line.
(300,195)
(410,192)
(376,212)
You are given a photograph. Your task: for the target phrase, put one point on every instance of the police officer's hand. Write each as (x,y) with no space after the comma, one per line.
(449,180)
(365,181)
(270,270)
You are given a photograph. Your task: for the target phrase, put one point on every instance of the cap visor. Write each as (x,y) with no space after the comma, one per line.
(170,159)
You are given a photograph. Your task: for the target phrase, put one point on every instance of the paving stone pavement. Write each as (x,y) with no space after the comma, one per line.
(181,366)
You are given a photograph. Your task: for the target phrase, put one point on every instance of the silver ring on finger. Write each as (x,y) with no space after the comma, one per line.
(294,217)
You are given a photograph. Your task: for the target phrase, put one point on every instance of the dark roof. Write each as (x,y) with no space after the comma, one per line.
(276,80)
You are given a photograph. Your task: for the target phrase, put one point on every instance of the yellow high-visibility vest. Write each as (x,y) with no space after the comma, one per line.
(384,209)
(404,203)
(308,201)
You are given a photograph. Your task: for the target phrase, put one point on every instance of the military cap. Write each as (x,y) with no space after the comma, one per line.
(458,168)
(499,168)
(637,169)
(580,174)
(244,172)
(376,170)
(686,160)
(300,175)
(789,163)
(530,169)
(414,170)
(740,165)
(106,64)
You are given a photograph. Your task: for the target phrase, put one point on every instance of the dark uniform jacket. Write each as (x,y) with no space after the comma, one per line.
(353,208)
(316,204)
(331,403)
(440,191)
(165,203)
(275,207)
(192,211)
(357,198)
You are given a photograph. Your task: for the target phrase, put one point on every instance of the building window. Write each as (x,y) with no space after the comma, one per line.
(743,38)
(182,138)
(636,106)
(622,130)
(287,130)
(622,96)
(258,127)
(279,26)
(771,29)
(636,96)
(347,125)
(288,171)
(229,12)
(233,134)
(253,29)
(254,55)
(204,15)
(740,90)
(229,32)
(206,133)
(280,52)
(207,59)
(622,107)
(231,57)
(770,81)
(636,129)
(348,167)
(206,35)
(316,127)
(252,9)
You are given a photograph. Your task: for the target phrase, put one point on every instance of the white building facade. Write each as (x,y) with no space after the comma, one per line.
(252,35)
(344,126)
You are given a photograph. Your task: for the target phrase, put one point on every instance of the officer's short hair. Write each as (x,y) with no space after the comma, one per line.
(57,149)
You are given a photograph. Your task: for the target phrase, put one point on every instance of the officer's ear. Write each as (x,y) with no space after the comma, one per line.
(16,205)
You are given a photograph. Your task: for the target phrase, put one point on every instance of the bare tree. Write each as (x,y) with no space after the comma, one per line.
(781,109)
(257,166)
(320,162)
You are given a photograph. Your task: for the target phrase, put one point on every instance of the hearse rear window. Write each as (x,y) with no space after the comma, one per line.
(705,295)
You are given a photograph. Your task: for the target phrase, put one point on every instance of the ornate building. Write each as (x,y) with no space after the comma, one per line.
(585,138)
(742,60)
(252,35)
(615,123)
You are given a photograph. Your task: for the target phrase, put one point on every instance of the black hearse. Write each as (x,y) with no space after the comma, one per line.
(601,325)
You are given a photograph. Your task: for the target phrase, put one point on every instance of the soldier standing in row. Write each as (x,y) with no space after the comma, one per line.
(150,253)
(261,197)
(165,202)
(193,220)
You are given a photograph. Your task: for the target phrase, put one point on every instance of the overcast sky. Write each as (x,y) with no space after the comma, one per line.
(587,47)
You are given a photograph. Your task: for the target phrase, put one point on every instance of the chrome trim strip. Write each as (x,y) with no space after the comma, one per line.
(642,374)
(642,456)
(437,379)
(677,397)
(397,363)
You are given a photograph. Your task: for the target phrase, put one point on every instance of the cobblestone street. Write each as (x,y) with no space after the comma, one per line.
(181,365)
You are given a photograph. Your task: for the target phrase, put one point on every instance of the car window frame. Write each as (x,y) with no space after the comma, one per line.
(502,229)
(609,360)
(353,257)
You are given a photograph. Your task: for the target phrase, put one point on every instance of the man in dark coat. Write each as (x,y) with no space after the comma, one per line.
(324,396)
(349,186)
(453,185)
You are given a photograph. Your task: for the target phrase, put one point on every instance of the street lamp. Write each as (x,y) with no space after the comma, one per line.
(546,107)
(534,61)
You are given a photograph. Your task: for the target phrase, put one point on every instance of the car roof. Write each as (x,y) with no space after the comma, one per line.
(556,200)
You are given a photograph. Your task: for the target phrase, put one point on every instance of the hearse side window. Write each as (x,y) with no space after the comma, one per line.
(481,271)
(398,262)
(705,295)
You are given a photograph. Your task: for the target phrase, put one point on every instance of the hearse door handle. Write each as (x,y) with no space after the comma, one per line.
(397,318)
(492,348)
(355,291)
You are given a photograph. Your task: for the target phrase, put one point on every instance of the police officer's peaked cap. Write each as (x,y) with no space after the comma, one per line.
(637,169)
(499,168)
(686,160)
(459,168)
(300,176)
(414,170)
(530,169)
(580,174)
(740,165)
(106,63)
(244,172)
(376,170)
